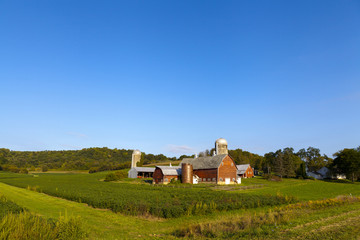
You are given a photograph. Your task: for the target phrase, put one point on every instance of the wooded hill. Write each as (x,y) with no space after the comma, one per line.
(94,159)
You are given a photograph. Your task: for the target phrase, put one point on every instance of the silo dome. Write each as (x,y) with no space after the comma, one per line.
(221,146)
(221,141)
(136,152)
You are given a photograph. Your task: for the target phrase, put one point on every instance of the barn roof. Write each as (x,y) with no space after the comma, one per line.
(205,162)
(242,168)
(144,169)
(170,170)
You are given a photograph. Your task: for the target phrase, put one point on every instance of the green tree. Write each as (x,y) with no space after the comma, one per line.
(347,161)
(279,163)
(291,162)
(269,162)
(301,171)
(312,157)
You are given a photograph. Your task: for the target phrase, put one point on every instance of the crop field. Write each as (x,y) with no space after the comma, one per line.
(256,209)
(140,199)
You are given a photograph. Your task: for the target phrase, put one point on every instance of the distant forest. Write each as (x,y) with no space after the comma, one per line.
(283,162)
(93,159)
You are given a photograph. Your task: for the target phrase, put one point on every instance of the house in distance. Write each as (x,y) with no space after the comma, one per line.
(245,171)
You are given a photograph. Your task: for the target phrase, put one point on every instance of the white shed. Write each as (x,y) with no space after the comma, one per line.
(141,172)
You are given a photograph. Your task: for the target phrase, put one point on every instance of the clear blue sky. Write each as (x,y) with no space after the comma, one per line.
(173,76)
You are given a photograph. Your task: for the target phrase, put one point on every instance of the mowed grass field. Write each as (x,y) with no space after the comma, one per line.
(340,218)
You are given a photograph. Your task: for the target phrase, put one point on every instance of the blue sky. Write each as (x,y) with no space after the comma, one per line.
(173,76)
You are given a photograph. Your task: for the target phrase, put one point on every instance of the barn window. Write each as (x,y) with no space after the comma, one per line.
(199,179)
(222,164)
(204,179)
(214,179)
(233,179)
(221,179)
(232,164)
(166,180)
(209,179)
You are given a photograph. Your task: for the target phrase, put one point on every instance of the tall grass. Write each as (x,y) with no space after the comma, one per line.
(16,223)
(7,207)
(29,226)
(256,224)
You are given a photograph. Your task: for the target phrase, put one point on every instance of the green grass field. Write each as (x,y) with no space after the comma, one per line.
(326,222)
(141,199)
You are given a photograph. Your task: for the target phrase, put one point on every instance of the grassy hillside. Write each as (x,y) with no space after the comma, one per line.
(18,223)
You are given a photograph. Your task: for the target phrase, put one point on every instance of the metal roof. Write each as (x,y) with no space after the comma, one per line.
(170,170)
(205,162)
(242,168)
(144,169)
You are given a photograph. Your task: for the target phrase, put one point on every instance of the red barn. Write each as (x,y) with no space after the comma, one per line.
(245,171)
(164,174)
(220,169)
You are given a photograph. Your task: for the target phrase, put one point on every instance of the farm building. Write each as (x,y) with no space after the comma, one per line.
(141,172)
(220,169)
(245,171)
(324,173)
(164,174)
(135,158)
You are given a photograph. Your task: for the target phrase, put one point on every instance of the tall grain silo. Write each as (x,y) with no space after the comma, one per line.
(221,146)
(135,158)
(187,173)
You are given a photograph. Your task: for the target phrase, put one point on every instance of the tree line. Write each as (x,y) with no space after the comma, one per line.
(288,163)
(92,159)
(283,162)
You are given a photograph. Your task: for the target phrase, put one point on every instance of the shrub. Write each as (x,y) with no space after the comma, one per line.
(93,170)
(175,181)
(271,177)
(110,177)
(23,171)
(116,176)
(120,175)
(11,168)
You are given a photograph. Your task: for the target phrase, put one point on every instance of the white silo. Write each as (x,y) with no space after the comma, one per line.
(135,158)
(221,146)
